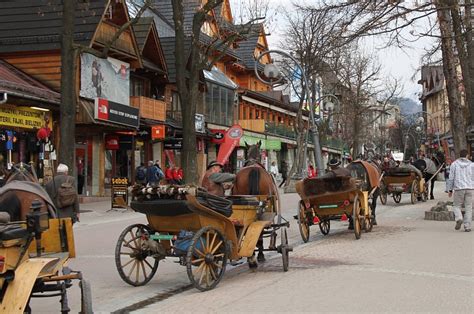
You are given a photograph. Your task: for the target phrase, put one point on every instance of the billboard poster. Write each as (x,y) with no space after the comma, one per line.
(105,78)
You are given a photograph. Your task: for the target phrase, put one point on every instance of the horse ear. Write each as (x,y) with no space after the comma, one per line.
(259,144)
(246,145)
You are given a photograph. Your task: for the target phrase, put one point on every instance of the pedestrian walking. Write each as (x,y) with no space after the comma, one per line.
(430,170)
(461,186)
(62,190)
(311,171)
(140,174)
(153,174)
(284,173)
(274,170)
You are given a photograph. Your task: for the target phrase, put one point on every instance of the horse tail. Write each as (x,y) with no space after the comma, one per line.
(254,180)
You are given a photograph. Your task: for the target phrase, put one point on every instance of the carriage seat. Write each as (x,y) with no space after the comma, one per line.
(10,232)
(398,172)
(248,200)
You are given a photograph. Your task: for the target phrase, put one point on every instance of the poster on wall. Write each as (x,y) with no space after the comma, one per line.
(105,78)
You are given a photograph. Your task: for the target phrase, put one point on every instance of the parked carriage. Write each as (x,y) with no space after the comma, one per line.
(397,181)
(336,198)
(201,230)
(35,249)
(33,262)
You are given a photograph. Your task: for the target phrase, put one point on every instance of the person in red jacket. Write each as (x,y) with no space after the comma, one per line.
(177,176)
(169,175)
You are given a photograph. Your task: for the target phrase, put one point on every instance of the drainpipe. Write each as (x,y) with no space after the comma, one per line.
(4,98)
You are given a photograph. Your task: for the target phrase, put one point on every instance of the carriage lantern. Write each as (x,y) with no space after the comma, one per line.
(37,222)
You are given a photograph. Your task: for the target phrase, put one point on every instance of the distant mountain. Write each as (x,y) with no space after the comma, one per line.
(408,106)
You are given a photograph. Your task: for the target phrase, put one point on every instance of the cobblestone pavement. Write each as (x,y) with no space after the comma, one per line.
(406,264)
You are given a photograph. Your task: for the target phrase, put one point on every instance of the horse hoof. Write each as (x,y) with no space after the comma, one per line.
(261,257)
(252,262)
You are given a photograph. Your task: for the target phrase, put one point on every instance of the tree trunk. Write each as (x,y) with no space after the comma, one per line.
(470,57)
(461,41)
(356,137)
(67,109)
(458,123)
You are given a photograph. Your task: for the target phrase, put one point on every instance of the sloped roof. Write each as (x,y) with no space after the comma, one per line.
(247,46)
(165,9)
(168,46)
(18,83)
(141,29)
(36,25)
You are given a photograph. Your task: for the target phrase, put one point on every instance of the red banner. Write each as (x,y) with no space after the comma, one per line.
(231,140)
(218,136)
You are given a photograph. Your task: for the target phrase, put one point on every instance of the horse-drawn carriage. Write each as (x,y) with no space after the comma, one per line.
(340,197)
(201,230)
(35,249)
(397,181)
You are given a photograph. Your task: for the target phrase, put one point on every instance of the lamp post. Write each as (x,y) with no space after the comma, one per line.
(418,129)
(272,72)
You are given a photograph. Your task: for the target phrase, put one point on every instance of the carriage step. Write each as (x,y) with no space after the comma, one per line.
(236,263)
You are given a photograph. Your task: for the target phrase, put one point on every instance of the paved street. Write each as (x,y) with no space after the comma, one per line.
(406,264)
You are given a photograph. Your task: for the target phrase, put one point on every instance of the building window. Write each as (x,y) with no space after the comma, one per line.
(219,104)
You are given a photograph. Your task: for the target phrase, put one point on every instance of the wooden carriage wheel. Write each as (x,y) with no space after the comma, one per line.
(414,191)
(356,217)
(206,258)
(135,265)
(303,223)
(383,193)
(397,197)
(325,226)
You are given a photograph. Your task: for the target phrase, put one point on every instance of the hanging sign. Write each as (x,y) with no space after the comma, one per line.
(158,132)
(217,136)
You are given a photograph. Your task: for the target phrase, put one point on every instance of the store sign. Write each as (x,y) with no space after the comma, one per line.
(110,111)
(112,142)
(173,143)
(21,117)
(273,145)
(158,132)
(119,192)
(199,123)
(217,136)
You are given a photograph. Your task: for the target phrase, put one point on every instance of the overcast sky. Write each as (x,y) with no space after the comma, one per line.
(398,63)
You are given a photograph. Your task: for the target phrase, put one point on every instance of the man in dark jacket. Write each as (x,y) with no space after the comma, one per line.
(52,187)
(284,173)
(153,174)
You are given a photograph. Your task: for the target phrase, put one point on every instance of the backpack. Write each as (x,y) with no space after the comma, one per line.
(141,174)
(66,195)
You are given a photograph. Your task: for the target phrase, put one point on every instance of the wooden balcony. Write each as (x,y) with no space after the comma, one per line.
(149,108)
(256,125)
(107,31)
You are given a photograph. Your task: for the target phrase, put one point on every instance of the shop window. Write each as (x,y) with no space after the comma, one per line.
(244,113)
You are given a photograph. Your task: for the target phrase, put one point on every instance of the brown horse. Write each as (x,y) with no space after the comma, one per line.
(21,189)
(253,179)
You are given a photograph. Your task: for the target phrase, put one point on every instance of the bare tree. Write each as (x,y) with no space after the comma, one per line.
(189,65)
(369,18)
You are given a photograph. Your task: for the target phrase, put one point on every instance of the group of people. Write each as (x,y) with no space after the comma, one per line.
(153,174)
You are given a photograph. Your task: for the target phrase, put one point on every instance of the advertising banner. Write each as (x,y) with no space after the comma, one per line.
(231,140)
(158,132)
(105,78)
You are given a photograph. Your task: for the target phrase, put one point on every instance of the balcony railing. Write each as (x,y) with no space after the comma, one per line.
(280,130)
(149,108)
(256,125)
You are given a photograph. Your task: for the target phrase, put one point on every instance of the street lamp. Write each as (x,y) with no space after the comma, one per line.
(272,72)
